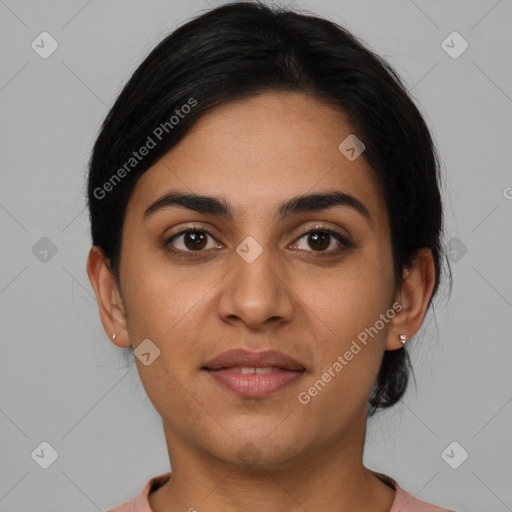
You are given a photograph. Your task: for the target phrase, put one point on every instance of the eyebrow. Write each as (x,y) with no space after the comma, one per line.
(220,207)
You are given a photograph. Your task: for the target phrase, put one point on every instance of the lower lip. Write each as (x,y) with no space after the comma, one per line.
(255,384)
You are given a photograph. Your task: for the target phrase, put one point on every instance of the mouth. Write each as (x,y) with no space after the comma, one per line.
(254,382)
(254,374)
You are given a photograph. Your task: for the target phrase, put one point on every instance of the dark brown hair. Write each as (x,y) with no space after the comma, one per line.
(243,49)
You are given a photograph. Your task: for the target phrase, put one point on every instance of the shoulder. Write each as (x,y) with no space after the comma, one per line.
(406,502)
(140,502)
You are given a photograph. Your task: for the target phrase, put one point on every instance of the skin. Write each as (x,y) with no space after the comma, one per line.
(256,154)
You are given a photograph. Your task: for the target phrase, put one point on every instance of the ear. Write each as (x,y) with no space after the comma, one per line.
(110,304)
(414,294)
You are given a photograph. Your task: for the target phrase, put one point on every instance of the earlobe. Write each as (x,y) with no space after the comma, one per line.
(110,303)
(414,295)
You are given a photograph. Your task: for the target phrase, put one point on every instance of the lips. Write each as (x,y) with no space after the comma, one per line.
(254,374)
(244,358)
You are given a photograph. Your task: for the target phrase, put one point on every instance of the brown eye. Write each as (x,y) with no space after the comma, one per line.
(190,240)
(319,240)
(194,240)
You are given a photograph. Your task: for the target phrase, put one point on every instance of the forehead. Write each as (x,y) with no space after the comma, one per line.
(259,152)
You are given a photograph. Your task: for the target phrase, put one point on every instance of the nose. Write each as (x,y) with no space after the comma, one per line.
(256,293)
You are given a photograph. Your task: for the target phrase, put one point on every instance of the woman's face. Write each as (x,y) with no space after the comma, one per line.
(255,281)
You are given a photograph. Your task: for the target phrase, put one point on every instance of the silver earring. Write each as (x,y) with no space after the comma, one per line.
(403,338)
(114,336)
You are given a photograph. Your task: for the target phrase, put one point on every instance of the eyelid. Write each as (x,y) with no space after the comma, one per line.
(323,227)
(186,229)
(344,240)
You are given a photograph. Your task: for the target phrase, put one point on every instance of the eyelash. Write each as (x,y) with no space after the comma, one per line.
(344,241)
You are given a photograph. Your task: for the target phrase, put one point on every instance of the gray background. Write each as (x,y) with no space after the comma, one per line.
(63,382)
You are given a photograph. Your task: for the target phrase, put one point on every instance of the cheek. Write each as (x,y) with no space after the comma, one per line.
(173,308)
(350,299)
(160,298)
(345,313)
(348,351)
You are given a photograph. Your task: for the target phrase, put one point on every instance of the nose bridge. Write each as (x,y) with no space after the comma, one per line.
(255,290)
(255,264)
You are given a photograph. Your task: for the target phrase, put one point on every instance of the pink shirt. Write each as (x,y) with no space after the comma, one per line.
(404,502)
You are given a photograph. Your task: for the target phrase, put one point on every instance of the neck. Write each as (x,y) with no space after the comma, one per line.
(329,477)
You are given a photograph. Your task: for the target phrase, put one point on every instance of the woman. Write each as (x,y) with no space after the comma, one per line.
(266,222)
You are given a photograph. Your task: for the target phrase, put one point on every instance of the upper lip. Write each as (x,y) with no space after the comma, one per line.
(241,357)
